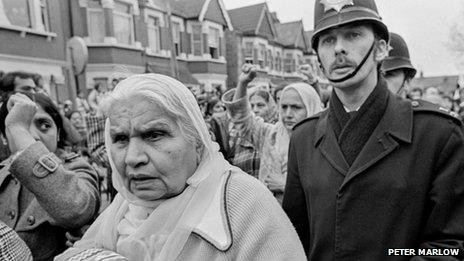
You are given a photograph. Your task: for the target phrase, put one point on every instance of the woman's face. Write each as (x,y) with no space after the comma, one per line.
(259,105)
(292,109)
(44,129)
(218,107)
(149,149)
(76,119)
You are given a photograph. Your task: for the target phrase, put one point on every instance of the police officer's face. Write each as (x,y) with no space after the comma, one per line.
(395,80)
(342,49)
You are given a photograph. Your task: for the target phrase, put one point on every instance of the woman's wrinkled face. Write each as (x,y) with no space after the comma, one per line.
(292,109)
(149,149)
(44,129)
(259,105)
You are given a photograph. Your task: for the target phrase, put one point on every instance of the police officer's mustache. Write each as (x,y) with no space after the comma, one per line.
(356,70)
(342,62)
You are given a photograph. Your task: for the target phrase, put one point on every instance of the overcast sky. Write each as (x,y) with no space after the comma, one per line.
(424,24)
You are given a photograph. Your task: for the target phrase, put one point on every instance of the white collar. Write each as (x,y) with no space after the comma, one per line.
(214,227)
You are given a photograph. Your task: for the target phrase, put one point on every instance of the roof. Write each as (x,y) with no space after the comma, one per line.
(246,19)
(288,33)
(187,8)
(307,36)
(201,9)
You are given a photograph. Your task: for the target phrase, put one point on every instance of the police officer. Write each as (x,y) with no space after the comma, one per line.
(397,67)
(372,172)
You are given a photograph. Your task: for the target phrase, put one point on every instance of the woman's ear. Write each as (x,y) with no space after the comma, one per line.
(381,50)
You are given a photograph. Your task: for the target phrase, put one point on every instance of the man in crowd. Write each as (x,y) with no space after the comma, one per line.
(374,171)
(17,82)
(397,67)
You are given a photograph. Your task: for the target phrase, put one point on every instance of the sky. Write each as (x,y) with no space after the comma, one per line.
(424,24)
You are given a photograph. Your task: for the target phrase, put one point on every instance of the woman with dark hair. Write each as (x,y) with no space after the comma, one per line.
(213,107)
(263,105)
(44,191)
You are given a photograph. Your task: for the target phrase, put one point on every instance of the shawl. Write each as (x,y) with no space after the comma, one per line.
(274,154)
(158,233)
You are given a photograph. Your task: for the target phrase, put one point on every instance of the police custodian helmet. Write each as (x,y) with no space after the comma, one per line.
(398,57)
(333,13)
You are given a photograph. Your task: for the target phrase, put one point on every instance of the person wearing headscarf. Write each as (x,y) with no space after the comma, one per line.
(178,198)
(270,141)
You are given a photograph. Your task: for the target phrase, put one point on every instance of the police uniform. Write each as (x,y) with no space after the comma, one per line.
(405,188)
(398,57)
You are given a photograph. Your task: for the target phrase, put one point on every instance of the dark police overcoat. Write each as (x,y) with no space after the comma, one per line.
(404,190)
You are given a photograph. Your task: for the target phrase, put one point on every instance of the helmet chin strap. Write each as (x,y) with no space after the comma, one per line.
(351,75)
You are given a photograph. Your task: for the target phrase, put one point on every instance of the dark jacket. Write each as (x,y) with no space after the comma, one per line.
(404,190)
(42,209)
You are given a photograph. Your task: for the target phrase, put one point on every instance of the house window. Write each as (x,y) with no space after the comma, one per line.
(270,62)
(196,39)
(261,55)
(96,22)
(26,13)
(299,59)
(44,18)
(213,42)
(123,23)
(176,37)
(154,37)
(248,52)
(278,63)
(289,65)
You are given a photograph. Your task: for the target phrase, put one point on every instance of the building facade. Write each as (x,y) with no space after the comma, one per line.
(126,37)
(278,49)
(33,36)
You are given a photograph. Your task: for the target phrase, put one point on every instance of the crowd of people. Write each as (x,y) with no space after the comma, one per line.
(340,168)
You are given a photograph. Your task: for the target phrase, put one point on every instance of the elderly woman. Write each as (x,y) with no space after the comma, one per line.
(178,198)
(44,191)
(298,101)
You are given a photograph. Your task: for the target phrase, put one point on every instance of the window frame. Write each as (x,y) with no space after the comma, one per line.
(152,27)
(129,15)
(199,41)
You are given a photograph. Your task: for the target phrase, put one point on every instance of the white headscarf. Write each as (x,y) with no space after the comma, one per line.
(129,225)
(274,156)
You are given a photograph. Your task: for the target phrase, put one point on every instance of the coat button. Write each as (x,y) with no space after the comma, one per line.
(11,214)
(31,220)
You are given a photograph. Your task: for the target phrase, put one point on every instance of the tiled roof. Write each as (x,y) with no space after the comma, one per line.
(245,19)
(308,35)
(187,8)
(288,32)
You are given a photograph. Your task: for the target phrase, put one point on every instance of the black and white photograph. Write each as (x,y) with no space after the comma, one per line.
(267,130)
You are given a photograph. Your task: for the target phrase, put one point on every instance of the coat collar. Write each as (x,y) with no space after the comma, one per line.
(214,227)
(396,124)
(397,120)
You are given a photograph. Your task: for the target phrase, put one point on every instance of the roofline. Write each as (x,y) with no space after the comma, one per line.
(204,9)
(247,6)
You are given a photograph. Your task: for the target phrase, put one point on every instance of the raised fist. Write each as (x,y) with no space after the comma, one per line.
(248,73)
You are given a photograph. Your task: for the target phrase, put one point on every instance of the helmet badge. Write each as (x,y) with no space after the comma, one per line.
(336,5)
